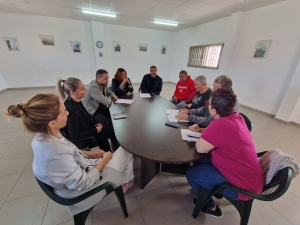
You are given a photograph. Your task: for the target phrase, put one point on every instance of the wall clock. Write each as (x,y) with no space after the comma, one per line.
(99,44)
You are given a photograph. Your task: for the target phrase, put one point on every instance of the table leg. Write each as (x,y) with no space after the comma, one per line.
(175,168)
(149,170)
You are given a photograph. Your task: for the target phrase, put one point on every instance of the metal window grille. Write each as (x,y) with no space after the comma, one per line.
(205,56)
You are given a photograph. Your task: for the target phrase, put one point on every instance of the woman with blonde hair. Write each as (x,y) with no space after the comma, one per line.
(59,163)
(80,123)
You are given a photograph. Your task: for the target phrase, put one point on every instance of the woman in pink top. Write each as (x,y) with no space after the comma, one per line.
(232,155)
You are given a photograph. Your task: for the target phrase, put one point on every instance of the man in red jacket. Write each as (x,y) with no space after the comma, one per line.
(185,90)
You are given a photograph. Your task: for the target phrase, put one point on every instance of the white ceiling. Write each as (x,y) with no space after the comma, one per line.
(137,13)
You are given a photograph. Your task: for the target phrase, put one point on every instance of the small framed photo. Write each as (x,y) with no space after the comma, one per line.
(100,54)
(12,43)
(143,47)
(76,46)
(47,40)
(261,49)
(163,49)
(117,46)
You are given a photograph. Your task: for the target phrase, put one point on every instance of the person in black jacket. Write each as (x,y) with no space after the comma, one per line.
(121,84)
(80,123)
(151,83)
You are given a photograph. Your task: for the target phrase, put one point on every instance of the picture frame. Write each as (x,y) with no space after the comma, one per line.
(163,49)
(12,43)
(76,46)
(261,49)
(47,40)
(117,46)
(143,47)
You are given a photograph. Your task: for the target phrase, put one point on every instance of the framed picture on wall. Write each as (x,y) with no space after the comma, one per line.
(76,46)
(163,49)
(261,49)
(117,46)
(47,40)
(143,47)
(12,43)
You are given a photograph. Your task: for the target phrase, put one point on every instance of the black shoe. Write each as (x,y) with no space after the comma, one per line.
(217,213)
(216,195)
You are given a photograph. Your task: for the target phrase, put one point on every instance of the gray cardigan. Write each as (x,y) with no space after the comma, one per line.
(59,164)
(94,97)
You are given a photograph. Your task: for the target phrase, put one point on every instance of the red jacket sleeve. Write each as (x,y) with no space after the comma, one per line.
(175,92)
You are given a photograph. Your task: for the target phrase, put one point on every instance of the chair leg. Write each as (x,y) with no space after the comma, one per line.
(120,195)
(203,197)
(246,212)
(244,209)
(80,218)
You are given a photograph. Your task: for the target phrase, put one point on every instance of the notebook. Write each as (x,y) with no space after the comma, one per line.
(118,116)
(188,135)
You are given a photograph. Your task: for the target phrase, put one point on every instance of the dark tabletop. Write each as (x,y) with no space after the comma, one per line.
(144,134)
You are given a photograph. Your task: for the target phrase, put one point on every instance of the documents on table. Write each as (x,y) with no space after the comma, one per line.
(188,135)
(145,95)
(124,101)
(171,113)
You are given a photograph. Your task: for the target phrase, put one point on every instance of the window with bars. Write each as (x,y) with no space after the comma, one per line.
(205,56)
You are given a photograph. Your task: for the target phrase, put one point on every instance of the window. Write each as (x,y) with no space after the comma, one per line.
(205,56)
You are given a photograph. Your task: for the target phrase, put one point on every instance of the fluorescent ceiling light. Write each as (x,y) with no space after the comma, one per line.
(98,13)
(165,23)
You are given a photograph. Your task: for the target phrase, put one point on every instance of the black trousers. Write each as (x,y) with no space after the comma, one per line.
(103,116)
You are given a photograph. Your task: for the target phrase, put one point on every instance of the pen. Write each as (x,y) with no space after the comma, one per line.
(191,136)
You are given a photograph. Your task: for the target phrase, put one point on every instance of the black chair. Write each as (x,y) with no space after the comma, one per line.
(93,140)
(282,179)
(248,122)
(80,218)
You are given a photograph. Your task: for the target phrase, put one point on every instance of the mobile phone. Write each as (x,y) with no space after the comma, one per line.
(174,125)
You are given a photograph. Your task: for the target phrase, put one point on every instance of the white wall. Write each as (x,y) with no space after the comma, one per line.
(258,83)
(138,63)
(38,65)
(262,83)
(2,83)
(209,33)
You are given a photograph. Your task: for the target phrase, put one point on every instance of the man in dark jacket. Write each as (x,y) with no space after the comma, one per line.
(151,83)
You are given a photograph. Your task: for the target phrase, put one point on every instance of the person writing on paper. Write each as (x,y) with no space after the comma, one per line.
(232,155)
(201,117)
(151,83)
(185,90)
(121,84)
(80,123)
(201,96)
(98,100)
(59,163)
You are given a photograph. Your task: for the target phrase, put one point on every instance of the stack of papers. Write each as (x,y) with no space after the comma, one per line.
(171,113)
(145,95)
(124,101)
(188,135)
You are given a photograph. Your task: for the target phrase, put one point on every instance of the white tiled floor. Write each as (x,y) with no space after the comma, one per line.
(165,200)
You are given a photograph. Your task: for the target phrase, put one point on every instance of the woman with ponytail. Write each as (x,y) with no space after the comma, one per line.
(80,124)
(59,163)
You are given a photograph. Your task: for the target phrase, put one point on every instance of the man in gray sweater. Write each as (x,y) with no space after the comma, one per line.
(97,101)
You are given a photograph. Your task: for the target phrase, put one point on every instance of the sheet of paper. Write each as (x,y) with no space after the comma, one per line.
(172,111)
(145,95)
(124,101)
(172,118)
(185,132)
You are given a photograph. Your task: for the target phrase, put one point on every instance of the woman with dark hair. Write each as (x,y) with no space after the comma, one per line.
(232,155)
(80,123)
(59,163)
(121,84)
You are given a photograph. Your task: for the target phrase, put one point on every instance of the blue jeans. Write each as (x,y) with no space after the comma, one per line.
(204,174)
(179,104)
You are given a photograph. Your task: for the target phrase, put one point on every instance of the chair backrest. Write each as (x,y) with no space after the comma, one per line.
(248,122)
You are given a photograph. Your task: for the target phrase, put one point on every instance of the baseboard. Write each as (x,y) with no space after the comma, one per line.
(257,110)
